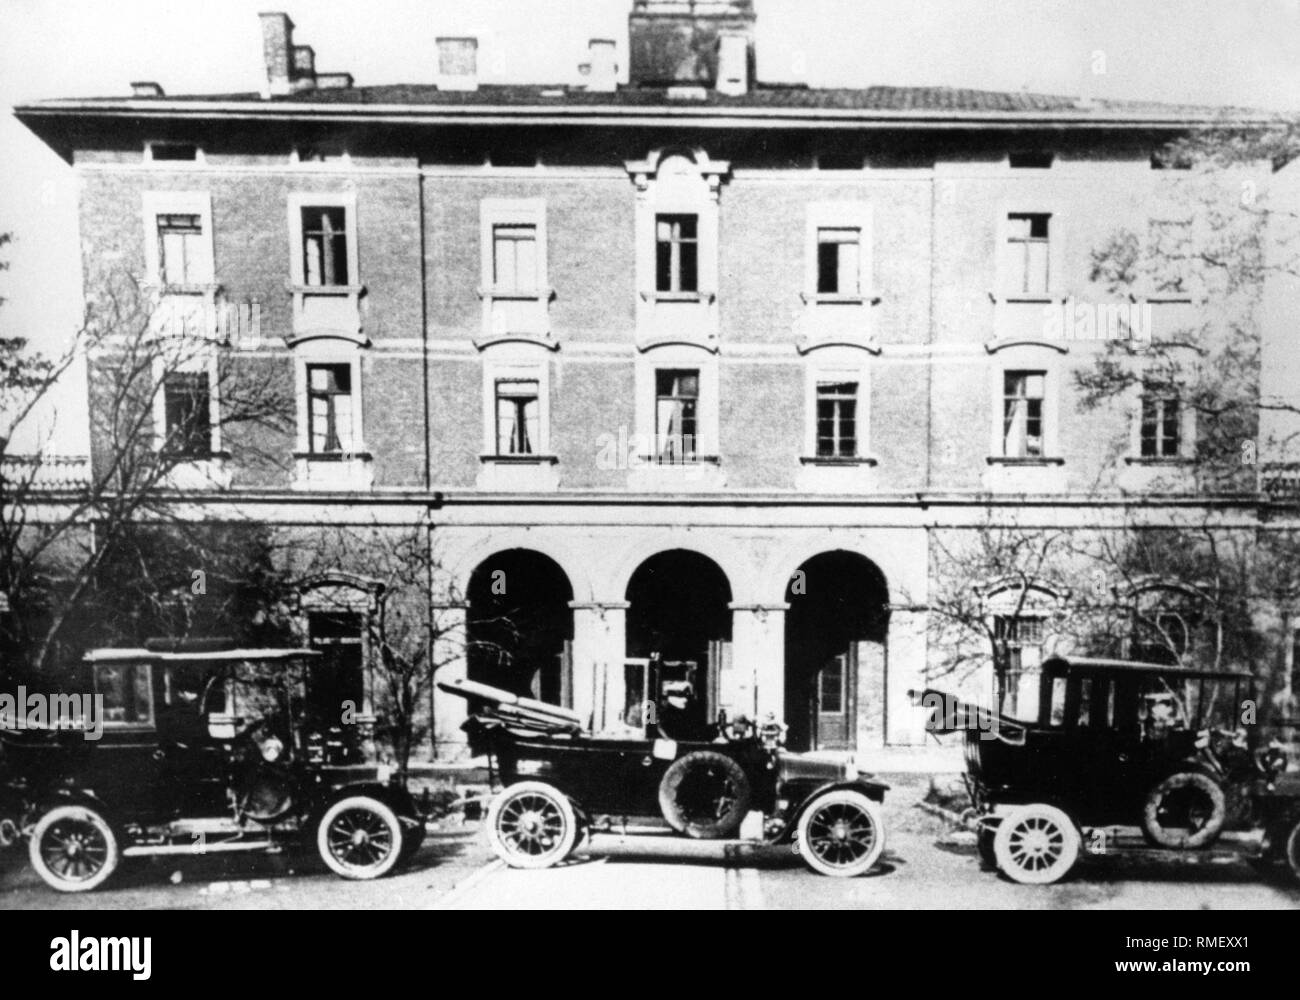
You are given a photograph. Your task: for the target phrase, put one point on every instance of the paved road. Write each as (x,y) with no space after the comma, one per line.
(924,867)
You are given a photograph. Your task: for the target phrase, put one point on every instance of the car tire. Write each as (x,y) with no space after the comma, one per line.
(1291,852)
(841,833)
(73,849)
(1036,844)
(1211,811)
(704,795)
(531,824)
(984,838)
(359,838)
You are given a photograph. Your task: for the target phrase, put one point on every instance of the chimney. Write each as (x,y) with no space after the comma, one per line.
(734,51)
(304,67)
(680,42)
(146,88)
(458,64)
(277,51)
(601,69)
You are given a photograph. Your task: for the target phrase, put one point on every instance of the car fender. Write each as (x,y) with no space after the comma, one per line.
(395,797)
(56,797)
(874,790)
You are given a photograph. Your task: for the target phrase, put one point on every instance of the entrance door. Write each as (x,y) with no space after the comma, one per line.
(833,702)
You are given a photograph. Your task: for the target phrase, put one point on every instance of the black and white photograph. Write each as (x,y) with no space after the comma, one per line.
(651,454)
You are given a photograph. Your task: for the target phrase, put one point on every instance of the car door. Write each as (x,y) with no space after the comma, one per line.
(125,766)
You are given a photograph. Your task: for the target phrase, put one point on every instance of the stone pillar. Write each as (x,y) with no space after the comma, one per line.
(599,648)
(756,681)
(905,661)
(450,657)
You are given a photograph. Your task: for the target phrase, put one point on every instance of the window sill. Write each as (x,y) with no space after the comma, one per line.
(1153,460)
(339,290)
(651,461)
(333,456)
(507,295)
(519,459)
(1025,298)
(679,296)
(1024,461)
(832,299)
(831,460)
(162,288)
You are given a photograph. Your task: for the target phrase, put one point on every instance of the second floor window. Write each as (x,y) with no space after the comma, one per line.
(837,419)
(187,398)
(1028,253)
(677,253)
(839,255)
(677,399)
(329,409)
(514,258)
(517,417)
(1022,414)
(181,258)
(1161,426)
(324,246)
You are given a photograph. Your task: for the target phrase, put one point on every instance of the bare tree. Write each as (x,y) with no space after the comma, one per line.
(58,531)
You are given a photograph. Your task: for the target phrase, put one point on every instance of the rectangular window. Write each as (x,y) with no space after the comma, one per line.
(127,690)
(1029,160)
(1161,426)
(180,249)
(837,423)
(1022,414)
(329,409)
(839,261)
(324,246)
(187,400)
(1028,252)
(517,417)
(173,152)
(514,258)
(677,253)
(830,684)
(677,399)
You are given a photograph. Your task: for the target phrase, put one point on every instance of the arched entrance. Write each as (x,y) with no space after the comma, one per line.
(679,609)
(835,651)
(519,626)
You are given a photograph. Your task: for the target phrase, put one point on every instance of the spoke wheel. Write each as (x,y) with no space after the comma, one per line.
(841,834)
(73,849)
(532,825)
(1292,853)
(1036,844)
(359,838)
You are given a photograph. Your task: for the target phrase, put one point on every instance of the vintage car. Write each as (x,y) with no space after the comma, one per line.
(1122,757)
(202,751)
(561,783)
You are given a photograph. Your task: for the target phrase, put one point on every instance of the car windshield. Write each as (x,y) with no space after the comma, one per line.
(127,691)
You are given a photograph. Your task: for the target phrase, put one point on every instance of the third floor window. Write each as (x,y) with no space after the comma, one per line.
(1028,252)
(324,245)
(839,253)
(677,253)
(514,258)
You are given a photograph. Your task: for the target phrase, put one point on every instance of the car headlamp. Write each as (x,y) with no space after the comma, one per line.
(271,749)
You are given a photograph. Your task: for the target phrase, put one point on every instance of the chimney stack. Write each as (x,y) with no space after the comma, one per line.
(458,64)
(304,67)
(146,88)
(601,69)
(277,51)
(734,51)
(682,42)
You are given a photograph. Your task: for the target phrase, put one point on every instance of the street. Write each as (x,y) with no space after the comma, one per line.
(926,866)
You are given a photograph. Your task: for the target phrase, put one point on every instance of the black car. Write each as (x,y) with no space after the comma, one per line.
(202,752)
(1116,756)
(561,783)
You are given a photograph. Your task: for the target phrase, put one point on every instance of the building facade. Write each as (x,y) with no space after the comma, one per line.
(690,365)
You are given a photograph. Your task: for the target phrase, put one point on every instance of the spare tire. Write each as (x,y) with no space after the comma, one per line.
(1187,810)
(704,795)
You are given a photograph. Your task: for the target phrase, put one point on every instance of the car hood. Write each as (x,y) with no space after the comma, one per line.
(801,767)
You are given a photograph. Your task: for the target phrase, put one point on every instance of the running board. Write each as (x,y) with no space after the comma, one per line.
(197,848)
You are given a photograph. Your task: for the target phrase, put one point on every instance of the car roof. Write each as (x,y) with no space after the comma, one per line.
(215,656)
(1099,664)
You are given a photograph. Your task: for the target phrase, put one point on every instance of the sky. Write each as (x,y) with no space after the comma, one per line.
(1222,52)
